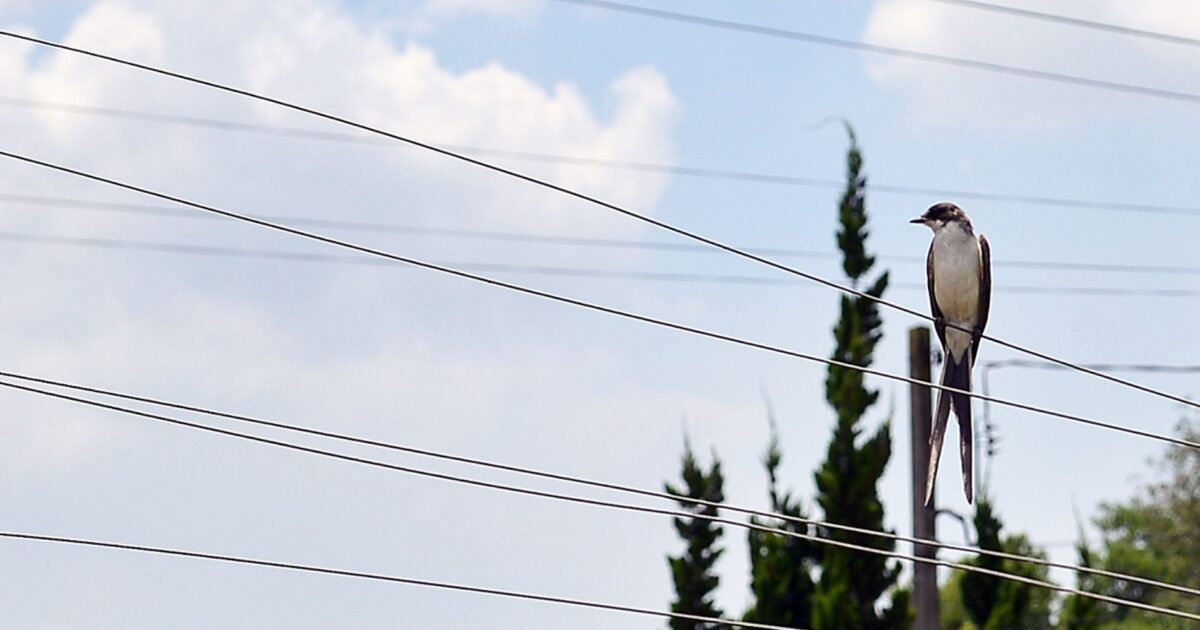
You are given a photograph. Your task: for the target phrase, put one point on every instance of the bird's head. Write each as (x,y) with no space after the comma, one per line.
(939,215)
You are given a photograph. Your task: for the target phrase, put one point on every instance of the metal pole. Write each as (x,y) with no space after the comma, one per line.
(925,589)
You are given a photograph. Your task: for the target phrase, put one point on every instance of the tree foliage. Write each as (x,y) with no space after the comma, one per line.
(852,583)
(780,566)
(978,601)
(1083,613)
(1156,534)
(692,571)
(980,591)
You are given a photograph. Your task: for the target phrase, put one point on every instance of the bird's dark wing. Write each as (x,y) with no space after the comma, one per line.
(939,323)
(985,291)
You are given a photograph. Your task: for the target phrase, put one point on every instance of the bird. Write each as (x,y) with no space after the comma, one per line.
(958,272)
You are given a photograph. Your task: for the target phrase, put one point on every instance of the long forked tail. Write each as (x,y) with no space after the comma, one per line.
(956,374)
(938,432)
(966,437)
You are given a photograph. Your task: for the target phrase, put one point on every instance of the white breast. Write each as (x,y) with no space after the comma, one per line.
(956,265)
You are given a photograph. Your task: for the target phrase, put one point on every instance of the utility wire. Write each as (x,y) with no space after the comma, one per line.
(307,568)
(85,52)
(536,270)
(892,51)
(599,503)
(593,306)
(1106,367)
(625,165)
(7,34)
(1074,21)
(562,239)
(544,184)
(988,366)
(584,481)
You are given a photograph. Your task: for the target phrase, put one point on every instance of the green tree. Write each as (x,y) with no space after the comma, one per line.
(980,591)
(1021,605)
(1083,613)
(692,571)
(1156,535)
(852,583)
(780,566)
(992,603)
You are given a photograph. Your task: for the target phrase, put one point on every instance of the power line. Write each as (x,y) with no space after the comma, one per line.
(593,502)
(536,270)
(988,366)
(1106,367)
(591,305)
(544,184)
(307,568)
(562,239)
(131,189)
(6,34)
(626,165)
(892,51)
(1074,21)
(583,481)
(558,496)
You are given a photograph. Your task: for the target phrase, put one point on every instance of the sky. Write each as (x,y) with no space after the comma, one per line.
(408,356)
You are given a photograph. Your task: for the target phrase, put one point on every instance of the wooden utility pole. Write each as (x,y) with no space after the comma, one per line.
(925,589)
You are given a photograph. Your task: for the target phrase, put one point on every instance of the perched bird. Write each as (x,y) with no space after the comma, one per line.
(959,274)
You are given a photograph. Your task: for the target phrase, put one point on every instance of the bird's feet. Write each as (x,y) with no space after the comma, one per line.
(976,334)
(939,322)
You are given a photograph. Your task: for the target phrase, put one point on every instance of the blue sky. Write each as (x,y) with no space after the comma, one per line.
(405,356)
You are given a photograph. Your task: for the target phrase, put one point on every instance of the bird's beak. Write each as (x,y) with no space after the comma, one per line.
(917,220)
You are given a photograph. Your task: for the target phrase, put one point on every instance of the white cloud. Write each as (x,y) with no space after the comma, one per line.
(1177,17)
(393,353)
(492,7)
(944,95)
(429,15)
(405,89)
(310,53)
(75,79)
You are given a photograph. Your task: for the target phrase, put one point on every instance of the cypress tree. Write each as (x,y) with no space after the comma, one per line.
(852,583)
(692,571)
(993,603)
(980,591)
(780,566)
(1078,612)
